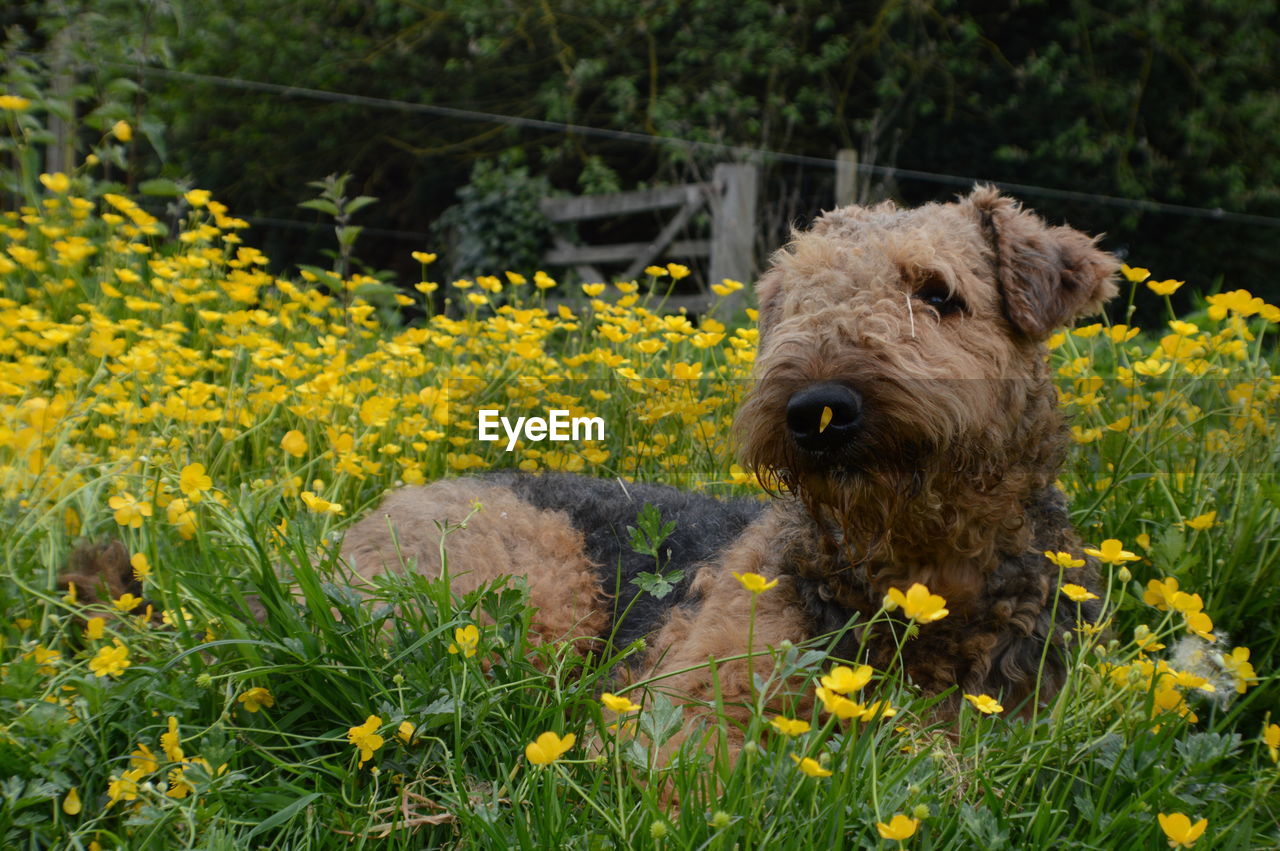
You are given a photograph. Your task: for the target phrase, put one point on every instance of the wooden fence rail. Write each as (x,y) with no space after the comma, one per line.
(730,197)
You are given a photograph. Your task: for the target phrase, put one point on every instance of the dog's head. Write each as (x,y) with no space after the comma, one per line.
(899,343)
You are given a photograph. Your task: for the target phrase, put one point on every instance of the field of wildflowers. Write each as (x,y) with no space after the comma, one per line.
(160,387)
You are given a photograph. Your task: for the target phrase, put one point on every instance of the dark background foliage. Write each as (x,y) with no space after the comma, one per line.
(1175,101)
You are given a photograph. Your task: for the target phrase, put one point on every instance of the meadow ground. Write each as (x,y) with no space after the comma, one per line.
(160,388)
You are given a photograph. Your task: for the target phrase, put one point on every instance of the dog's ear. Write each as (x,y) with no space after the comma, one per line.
(1047,275)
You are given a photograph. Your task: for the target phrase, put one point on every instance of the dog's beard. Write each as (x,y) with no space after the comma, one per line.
(856,502)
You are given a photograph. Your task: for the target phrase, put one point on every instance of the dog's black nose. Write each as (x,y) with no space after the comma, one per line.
(824,416)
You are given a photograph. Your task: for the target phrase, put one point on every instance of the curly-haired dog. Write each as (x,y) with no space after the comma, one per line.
(903,415)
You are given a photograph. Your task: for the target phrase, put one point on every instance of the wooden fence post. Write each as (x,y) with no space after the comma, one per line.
(60,154)
(846,177)
(733,229)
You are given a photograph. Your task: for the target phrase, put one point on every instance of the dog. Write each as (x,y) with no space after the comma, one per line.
(904,420)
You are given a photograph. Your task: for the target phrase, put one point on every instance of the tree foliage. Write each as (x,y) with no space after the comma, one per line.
(1174,102)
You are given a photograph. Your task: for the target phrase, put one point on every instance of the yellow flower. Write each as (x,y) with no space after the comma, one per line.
(142,759)
(129,510)
(405,732)
(320,505)
(423,257)
(256,698)
(1160,593)
(14,103)
(754,582)
(593,290)
(618,704)
(548,748)
(1271,738)
(1164,287)
(790,726)
(171,742)
(1111,551)
(192,480)
(94,627)
(1151,367)
(686,371)
(677,271)
(1237,662)
(295,443)
(465,640)
(543,281)
(810,766)
(197,197)
(141,567)
(1179,829)
(984,703)
(122,131)
(843,680)
(365,738)
(56,183)
(1078,593)
(1146,639)
(839,705)
(110,661)
(43,657)
(1203,521)
(126,602)
(1064,560)
(918,604)
(1135,275)
(1200,624)
(124,787)
(655,271)
(900,827)
(71,803)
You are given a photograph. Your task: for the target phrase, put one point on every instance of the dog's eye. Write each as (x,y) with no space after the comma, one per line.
(936,294)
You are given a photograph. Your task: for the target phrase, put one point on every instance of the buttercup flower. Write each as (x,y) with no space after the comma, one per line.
(844,680)
(129,510)
(1064,560)
(256,698)
(1077,593)
(810,766)
(789,726)
(900,827)
(618,704)
(754,582)
(548,748)
(1179,830)
(365,738)
(110,661)
(295,443)
(1271,738)
(1111,551)
(984,703)
(465,640)
(917,603)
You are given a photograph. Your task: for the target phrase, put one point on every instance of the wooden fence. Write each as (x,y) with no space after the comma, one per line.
(730,198)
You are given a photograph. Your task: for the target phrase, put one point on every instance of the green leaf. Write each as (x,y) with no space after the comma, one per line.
(327,207)
(160,186)
(281,816)
(359,203)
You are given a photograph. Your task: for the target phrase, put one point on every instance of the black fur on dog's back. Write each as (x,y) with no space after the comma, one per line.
(602,509)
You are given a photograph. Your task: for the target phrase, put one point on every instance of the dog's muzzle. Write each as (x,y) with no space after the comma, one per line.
(824,417)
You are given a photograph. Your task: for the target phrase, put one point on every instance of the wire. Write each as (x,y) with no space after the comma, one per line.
(737,151)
